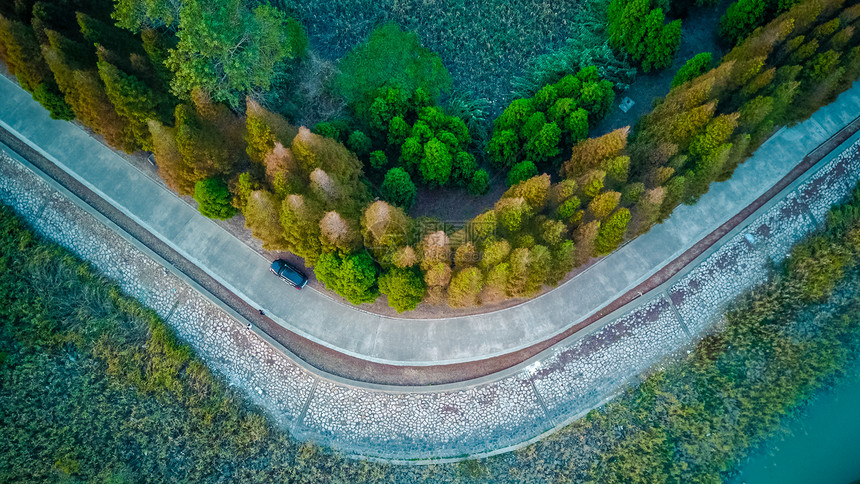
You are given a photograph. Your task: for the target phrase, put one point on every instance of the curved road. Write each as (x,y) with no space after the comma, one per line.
(515,333)
(483,415)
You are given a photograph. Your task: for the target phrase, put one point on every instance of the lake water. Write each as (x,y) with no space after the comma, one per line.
(824,445)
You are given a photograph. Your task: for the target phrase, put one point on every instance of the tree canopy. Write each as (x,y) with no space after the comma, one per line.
(391,58)
(229,50)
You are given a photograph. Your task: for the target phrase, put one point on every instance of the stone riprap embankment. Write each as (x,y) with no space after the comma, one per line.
(482,416)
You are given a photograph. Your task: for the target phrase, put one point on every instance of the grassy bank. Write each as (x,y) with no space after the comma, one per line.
(95,388)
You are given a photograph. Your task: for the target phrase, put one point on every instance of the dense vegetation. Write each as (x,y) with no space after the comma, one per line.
(95,388)
(693,68)
(312,193)
(538,129)
(486,45)
(637,27)
(392,87)
(143,408)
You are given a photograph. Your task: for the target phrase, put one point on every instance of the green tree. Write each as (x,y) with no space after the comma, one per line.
(822,65)
(521,171)
(681,129)
(495,284)
(389,104)
(612,232)
(300,218)
(755,111)
(563,261)
(135,15)
(262,217)
(637,29)
(568,209)
(663,42)
(617,169)
(480,182)
(107,37)
(632,192)
(328,129)
(602,205)
(543,146)
(157,45)
(210,145)
(398,188)
(20,50)
(133,100)
(597,98)
(540,265)
(351,276)
(716,133)
(464,168)
(575,126)
(84,91)
(436,164)
(229,50)
(53,101)
(213,198)
(552,232)
(403,287)
(465,287)
(504,148)
(533,125)
(513,214)
(591,183)
(494,252)
(378,160)
(515,115)
(676,187)
(519,273)
(359,143)
(263,130)
(398,131)
(693,68)
(545,98)
(741,19)
(706,170)
(625,26)
(390,58)
(561,109)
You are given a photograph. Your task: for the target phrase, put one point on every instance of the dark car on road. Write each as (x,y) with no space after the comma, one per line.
(289,274)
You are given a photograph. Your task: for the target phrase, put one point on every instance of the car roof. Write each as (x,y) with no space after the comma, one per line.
(285,270)
(292,274)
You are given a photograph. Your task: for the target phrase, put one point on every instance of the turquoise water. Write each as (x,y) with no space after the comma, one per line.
(823,447)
